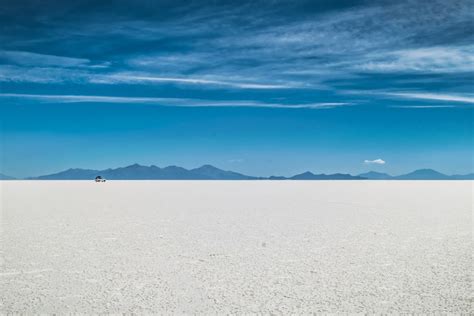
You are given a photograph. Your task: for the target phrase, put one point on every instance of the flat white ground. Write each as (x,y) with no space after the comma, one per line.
(236,246)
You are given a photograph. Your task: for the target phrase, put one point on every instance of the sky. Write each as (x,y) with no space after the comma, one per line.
(259,87)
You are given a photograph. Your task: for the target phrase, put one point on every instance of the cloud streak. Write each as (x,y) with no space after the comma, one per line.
(41,60)
(196,81)
(454,99)
(422,60)
(423,106)
(30,59)
(432,96)
(176,102)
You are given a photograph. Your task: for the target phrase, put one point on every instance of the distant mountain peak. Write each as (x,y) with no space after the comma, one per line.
(135,165)
(173,167)
(208,167)
(211,172)
(423,174)
(427,170)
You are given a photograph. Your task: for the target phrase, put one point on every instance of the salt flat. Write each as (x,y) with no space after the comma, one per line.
(205,247)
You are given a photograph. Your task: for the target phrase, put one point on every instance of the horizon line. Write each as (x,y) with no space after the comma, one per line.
(228,170)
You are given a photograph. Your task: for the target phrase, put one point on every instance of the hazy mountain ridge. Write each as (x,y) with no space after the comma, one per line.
(209,172)
(373,175)
(336,176)
(469,176)
(420,174)
(5,177)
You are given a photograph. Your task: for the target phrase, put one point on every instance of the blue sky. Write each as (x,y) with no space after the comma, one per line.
(259,87)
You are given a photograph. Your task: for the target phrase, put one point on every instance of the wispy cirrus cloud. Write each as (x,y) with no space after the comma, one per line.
(454,99)
(256,46)
(423,106)
(40,60)
(58,74)
(23,58)
(424,60)
(130,78)
(433,96)
(177,102)
(43,75)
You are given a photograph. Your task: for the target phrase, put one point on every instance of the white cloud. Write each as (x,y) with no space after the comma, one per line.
(430,59)
(375,162)
(456,98)
(311,52)
(127,78)
(41,60)
(422,106)
(29,59)
(13,73)
(178,102)
(433,96)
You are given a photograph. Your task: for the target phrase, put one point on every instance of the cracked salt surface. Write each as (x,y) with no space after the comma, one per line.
(236,247)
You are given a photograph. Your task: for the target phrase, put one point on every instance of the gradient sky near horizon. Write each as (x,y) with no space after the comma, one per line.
(258,87)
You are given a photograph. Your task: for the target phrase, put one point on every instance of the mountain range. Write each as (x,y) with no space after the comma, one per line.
(208,172)
(139,172)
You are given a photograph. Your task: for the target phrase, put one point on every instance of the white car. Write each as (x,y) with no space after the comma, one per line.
(99,179)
